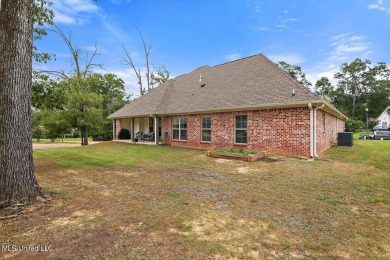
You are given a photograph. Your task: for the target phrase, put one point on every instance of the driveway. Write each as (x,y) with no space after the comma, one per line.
(41,146)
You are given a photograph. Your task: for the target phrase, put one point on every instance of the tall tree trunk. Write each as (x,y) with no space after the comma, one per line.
(17,180)
(84,136)
(353,106)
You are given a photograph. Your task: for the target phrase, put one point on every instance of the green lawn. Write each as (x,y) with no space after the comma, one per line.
(59,140)
(123,201)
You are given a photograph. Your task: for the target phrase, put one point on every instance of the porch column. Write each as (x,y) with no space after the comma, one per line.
(113,129)
(162,130)
(156,137)
(132,129)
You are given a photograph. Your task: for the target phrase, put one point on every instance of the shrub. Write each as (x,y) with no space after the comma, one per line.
(351,125)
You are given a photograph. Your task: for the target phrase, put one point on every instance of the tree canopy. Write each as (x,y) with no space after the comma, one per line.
(295,72)
(360,85)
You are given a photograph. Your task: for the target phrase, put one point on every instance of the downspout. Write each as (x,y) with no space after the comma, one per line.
(311,131)
(315,130)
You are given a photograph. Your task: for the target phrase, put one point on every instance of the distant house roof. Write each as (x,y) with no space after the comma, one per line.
(248,83)
(387,110)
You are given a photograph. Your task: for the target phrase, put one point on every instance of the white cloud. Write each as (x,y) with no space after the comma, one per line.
(73,12)
(114,28)
(257,9)
(292,59)
(313,76)
(380,5)
(345,45)
(233,56)
(342,48)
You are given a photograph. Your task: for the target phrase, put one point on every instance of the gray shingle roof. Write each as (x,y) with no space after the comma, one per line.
(250,82)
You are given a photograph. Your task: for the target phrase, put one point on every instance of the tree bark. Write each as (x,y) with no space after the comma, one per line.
(84,136)
(353,105)
(18,184)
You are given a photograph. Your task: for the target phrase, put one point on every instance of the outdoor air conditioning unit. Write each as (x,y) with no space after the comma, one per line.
(345,139)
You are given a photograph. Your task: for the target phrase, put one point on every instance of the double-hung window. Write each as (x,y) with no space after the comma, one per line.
(241,129)
(179,128)
(206,128)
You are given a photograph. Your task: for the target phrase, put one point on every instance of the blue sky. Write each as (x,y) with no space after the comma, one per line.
(185,34)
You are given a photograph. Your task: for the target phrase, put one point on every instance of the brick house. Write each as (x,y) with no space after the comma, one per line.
(248,103)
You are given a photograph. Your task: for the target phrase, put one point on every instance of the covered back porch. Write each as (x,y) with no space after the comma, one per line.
(146,129)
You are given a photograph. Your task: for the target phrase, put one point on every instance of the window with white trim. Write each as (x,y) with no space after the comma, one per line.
(206,128)
(241,131)
(179,128)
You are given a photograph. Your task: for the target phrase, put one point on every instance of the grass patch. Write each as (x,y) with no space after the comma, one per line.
(375,153)
(379,200)
(235,151)
(57,193)
(124,201)
(173,194)
(58,140)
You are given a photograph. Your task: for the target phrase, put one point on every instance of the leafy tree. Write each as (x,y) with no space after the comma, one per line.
(159,76)
(38,130)
(43,14)
(81,99)
(55,122)
(18,184)
(379,97)
(114,97)
(296,72)
(324,89)
(47,93)
(355,80)
(352,125)
(360,85)
(112,89)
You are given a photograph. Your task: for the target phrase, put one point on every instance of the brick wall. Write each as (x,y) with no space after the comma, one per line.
(327,129)
(282,131)
(118,127)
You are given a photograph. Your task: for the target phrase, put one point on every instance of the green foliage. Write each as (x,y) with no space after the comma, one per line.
(43,14)
(159,76)
(360,85)
(55,122)
(296,72)
(38,132)
(324,88)
(76,134)
(173,194)
(379,200)
(352,125)
(47,93)
(82,104)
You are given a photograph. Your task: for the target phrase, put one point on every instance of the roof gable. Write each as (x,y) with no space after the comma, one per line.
(254,81)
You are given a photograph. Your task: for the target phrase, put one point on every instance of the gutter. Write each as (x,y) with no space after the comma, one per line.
(311,130)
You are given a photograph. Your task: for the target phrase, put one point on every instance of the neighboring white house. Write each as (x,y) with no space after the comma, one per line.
(384,119)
